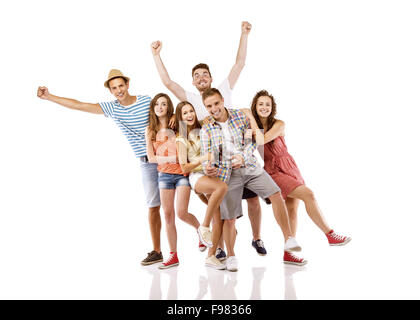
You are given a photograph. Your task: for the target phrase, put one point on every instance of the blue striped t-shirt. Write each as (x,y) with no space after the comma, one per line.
(132,120)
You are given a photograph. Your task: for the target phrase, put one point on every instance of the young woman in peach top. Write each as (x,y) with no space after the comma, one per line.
(161,148)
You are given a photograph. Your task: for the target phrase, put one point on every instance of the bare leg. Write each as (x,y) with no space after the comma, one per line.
(229,234)
(216,232)
(155,225)
(306,195)
(280,213)
(217,190)
(182,200)
(203,198)
(254,214)
(292,208)
(167,200)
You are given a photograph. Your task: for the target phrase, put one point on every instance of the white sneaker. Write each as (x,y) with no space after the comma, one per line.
(232,264)
(204,234)
(215,263)
(292,245)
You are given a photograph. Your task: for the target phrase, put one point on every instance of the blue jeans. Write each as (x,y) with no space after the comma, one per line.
(149,176)
(172,181)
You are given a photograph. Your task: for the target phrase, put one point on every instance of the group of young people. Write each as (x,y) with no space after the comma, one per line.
(207,145)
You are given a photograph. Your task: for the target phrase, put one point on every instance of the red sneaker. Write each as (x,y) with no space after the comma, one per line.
(171,262)
(290,258)
(201,246)
(337,240)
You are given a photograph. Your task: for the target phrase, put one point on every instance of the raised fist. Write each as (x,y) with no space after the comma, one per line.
(156,46)
(43,93)
(246,27)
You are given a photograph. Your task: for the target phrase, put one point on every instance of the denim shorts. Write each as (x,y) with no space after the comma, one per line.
(172,181)
(149,176)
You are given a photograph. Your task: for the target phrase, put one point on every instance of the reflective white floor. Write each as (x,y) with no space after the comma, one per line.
(100,259)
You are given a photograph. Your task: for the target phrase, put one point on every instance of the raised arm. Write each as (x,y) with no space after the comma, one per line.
(241,55)
(44,94)
(174,87)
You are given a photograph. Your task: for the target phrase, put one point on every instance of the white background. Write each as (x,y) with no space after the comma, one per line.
(73,224)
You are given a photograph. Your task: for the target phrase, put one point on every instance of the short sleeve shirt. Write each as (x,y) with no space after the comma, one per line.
(197,102)
(132,120)
(193,149)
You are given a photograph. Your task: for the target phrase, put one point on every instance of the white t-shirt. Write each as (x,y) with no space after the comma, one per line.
(197,102)
(229,148)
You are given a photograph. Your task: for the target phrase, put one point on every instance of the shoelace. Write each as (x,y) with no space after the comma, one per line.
(293,257)
(337,237)
(260,243)
(170,259)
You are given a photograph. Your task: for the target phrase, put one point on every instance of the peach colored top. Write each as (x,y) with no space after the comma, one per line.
(165,146)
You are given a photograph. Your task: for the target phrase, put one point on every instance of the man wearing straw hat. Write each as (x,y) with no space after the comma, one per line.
(131,114)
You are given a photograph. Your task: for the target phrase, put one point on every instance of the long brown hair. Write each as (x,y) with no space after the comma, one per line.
(179,129)
(270,121)
(154,124)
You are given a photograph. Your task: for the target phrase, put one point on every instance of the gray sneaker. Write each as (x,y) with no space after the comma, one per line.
(152,257)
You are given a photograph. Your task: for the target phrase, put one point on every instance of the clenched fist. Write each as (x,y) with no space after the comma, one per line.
(246,27)
(43,93)
(156,46)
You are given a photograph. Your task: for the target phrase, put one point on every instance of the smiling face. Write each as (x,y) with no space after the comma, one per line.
(202,79)
(264,106)
(215,107)
(119,88)
(188,115)
(161,107)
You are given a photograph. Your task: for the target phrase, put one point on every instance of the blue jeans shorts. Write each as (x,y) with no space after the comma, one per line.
(149,176)
(172,181)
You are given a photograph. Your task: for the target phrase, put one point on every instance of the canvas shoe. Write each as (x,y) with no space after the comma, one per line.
(220,254)
(152,257)
(171,262)
(337,240)
(232,264)
(201,246)
(215,263)
(259,246)
(204,234)
(290,258)
(292,245)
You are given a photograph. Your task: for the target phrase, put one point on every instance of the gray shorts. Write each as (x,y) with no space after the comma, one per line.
(261,183)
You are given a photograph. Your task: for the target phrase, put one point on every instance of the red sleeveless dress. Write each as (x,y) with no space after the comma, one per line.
(281,166)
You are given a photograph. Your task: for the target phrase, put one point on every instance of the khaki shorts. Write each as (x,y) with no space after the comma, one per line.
(260,182)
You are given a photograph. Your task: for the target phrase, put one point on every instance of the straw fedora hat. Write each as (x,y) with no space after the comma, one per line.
(115,73)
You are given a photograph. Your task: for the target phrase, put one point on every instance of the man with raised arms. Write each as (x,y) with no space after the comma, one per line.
(202,80)
(131,114)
